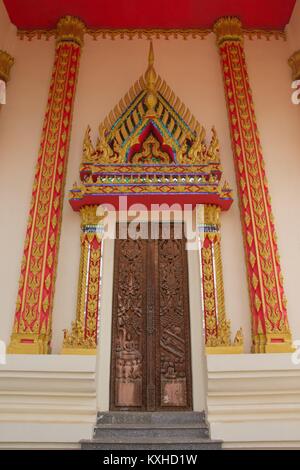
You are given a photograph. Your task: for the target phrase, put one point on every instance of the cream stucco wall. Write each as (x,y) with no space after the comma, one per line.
(21,121)
(7,31)
(293,29)
(108,69)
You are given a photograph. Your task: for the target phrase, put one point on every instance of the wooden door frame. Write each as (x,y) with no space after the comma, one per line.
(152,304)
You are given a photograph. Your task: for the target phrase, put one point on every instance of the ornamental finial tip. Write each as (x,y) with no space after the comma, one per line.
(151,55)
(150,75)
(150,79)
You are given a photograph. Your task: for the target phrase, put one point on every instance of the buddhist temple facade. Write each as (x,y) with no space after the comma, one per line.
(150,238)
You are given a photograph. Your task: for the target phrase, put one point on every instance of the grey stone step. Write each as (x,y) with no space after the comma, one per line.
(152,444)
(165,417)
(151,431)
(134,431)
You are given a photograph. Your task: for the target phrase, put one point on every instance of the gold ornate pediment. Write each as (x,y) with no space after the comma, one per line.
(151,144)
(151,101)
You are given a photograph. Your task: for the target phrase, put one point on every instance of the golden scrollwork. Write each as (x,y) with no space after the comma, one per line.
(93,292)
(213,152)
(294,63)
(217,326)
(211,325)
(104,151)
(88,150)
(223,323)
(75,343)
(196,153)
(70,28)
(151,153)
(75,339)
(156,33)
(82,339)
(199,153)
(6,63)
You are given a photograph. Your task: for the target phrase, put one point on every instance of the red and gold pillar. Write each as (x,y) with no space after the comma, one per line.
(32,324)
(82,339)
(271,331)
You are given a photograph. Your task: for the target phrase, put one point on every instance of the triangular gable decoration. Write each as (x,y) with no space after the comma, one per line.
(153,139)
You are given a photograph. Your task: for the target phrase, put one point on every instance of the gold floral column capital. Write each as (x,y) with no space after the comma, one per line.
(90,216)
(70,29)
(6,63)
(294,63)
(228,28)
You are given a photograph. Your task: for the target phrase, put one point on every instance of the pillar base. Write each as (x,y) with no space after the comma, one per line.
(22,343)
(235,349)
(279,348)
(272,344)
(79,351)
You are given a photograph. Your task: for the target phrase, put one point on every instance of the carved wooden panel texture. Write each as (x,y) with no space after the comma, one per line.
(151,366)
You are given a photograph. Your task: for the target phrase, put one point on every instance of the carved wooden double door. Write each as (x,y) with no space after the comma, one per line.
(151,364)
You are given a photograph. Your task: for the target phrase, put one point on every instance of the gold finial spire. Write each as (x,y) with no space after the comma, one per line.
(151,54)
(150,73)
(150,78)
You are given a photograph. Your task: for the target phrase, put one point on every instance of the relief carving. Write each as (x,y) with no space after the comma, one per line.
(151,338)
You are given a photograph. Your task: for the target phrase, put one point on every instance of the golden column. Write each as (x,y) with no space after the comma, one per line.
(294,62)
(32,324)
(217,327)
(270,328)
(83,336)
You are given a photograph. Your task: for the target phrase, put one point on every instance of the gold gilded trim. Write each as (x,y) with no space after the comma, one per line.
(166,34)
(265,34)
(81,338)
(217,326)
